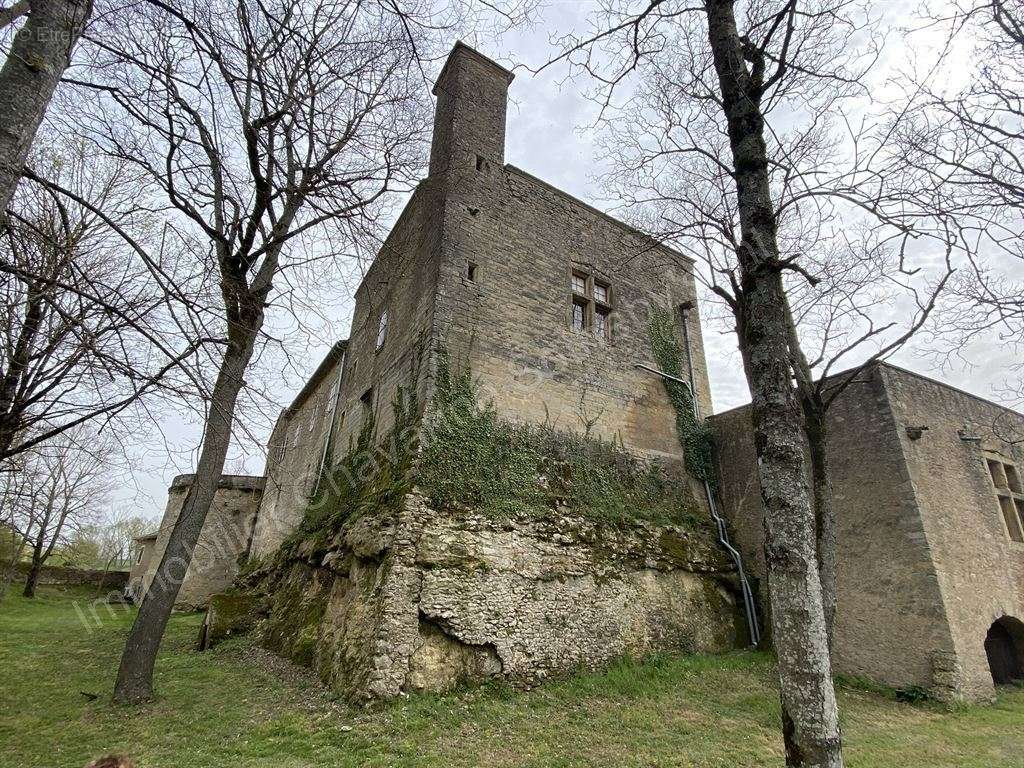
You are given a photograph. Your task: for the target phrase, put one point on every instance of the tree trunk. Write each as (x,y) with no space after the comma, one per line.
(40,52)
(809,711)
(135,675)
(824,513)
(32,581)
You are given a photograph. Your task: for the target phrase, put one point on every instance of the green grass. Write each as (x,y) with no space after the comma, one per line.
(220,709)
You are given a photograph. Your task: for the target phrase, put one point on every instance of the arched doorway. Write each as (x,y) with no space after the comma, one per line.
(1004,647)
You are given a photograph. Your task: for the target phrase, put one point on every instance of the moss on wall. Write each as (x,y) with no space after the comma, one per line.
(472,458)
(695,438)
(372,477)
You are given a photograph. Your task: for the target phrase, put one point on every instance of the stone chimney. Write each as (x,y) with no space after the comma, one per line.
(469,120)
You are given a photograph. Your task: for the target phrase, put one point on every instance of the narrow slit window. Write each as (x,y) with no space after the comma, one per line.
(471,270)
(382,329)
(366,403)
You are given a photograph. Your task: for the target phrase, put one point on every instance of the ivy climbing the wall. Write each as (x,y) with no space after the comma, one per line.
(371,477)
(472,458)
(695,438)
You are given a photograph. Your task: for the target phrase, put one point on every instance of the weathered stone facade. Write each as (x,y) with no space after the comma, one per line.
(549,304)
(144,546)
(427,599)
(296,451)
(926,562)
(510,321)
(222,544)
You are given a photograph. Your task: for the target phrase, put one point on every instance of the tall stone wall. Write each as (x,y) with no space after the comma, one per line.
(426,599)
(890,620)
(222,542)
(512,324)
(137,576)
(510,245)
(402,281)
(295,453)
(980,569)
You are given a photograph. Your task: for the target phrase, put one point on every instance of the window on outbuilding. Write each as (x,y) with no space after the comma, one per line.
(591,305)
(1006,482)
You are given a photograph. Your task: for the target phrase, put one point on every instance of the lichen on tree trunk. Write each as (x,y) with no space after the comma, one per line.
(40,52)
(809,711)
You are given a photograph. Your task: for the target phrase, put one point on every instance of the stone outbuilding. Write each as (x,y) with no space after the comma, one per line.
(930,508)
(144,546)
(223,542)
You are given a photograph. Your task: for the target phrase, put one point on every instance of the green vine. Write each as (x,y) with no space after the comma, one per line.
(695,438)
(473,458)
(470,458)
(370,478)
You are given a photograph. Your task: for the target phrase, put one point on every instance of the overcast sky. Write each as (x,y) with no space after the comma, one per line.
(548,135)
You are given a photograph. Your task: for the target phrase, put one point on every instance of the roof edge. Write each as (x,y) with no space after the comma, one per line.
(607,216)
(335,353)
(461,47)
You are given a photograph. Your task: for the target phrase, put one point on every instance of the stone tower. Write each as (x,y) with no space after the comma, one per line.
(469,120)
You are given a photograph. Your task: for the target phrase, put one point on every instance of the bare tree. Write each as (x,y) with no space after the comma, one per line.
(68,481)
(270,136)
(745,143)
(40,52)
(85,331)
(970,135)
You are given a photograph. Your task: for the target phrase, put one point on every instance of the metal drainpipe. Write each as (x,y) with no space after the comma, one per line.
(749,606)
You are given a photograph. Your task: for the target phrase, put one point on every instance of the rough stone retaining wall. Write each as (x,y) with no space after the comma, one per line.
(426,600)
(112,581)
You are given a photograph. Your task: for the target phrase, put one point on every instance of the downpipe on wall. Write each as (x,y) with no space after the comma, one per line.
(749,606)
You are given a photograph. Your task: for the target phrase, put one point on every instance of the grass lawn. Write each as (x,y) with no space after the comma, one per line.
(223,708)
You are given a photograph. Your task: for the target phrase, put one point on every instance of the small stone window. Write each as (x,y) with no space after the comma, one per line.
(591,305)
(382,329)
(1010,495)
(366,401)
(471,270)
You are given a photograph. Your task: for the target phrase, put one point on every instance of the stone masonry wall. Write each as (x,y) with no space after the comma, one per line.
(890,623)
(401,281)
(426,600)
(512,325)
(980,569)
(294,455)
(222,542)
(140,567)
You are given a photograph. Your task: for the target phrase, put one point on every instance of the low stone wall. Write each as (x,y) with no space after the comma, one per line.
(111,581)
(426,600)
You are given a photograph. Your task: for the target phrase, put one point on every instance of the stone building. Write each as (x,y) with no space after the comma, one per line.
(296,453)
(549,306)
(144,546)
(928,498)
(223,542)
